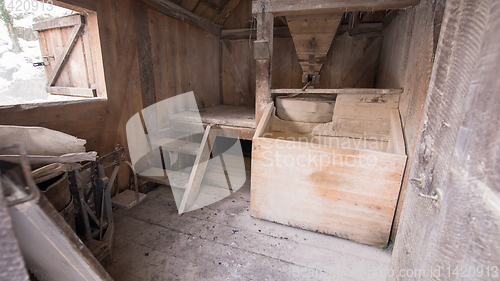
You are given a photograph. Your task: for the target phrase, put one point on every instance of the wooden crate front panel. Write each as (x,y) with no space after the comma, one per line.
(347,193)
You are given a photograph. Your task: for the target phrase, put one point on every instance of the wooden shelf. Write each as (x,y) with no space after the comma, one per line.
(240,119)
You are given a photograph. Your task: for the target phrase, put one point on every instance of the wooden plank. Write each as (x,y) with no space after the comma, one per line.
(83,6)
(72,91)
(81,118)
(247,33)
(295,7)
(197,172)
(338,195)
(284,31)
(362,91)
(228,9)
(362,27)
(172,10)
(121,69)
(240,81)
(367,60)
(74,71)
(58,23)
(266,116)
(397,141)
(456,156)
(284,61)
(95,54)
(87,47)
(407,60)
(64,54)
(145,55)
(243,132)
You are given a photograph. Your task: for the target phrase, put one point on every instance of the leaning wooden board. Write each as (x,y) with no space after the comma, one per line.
(349,193)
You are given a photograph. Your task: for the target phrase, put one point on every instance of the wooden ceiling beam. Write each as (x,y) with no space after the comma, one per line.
(177,12)
(221,18)
(297,7)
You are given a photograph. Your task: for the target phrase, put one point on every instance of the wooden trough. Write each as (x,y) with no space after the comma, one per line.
(340,178)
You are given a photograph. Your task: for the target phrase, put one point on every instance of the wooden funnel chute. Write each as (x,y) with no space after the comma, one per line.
(312,36)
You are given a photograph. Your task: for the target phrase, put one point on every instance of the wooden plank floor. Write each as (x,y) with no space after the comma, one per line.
(222,242)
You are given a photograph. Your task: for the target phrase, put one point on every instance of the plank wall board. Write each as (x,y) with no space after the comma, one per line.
(56,39)
(351,62)
(184,14)
(82,119)
(179,64)
(242,54)
(241,17)
(286,72)
(451,211)
(406,61)
(144,53)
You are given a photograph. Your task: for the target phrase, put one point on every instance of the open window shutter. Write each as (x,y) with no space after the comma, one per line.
(67,55)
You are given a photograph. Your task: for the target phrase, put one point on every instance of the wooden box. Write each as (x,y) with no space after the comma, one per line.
(340,178)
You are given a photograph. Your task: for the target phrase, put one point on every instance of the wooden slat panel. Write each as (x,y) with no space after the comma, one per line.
(65,54)
(67,21)
(397,140)
(179,65)
(82,119)
(172,10)
(145,55)
(337,193)
(241,82)
(72,91)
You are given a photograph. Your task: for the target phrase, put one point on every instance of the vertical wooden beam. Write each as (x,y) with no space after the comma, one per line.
(145,55)
(265,23)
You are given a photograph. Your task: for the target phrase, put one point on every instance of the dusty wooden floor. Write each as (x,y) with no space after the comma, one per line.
(222,242)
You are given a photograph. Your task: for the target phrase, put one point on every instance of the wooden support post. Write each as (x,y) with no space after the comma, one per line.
(265,22)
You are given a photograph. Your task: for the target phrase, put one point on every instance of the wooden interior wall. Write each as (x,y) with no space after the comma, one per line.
(149,57)
(185,58)
(241,17)
(456,163)
(406,62)
(181,58)
(83,120)
(352,62)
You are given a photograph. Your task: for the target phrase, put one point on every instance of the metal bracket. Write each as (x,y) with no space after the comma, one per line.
(43,63)
(417,182)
